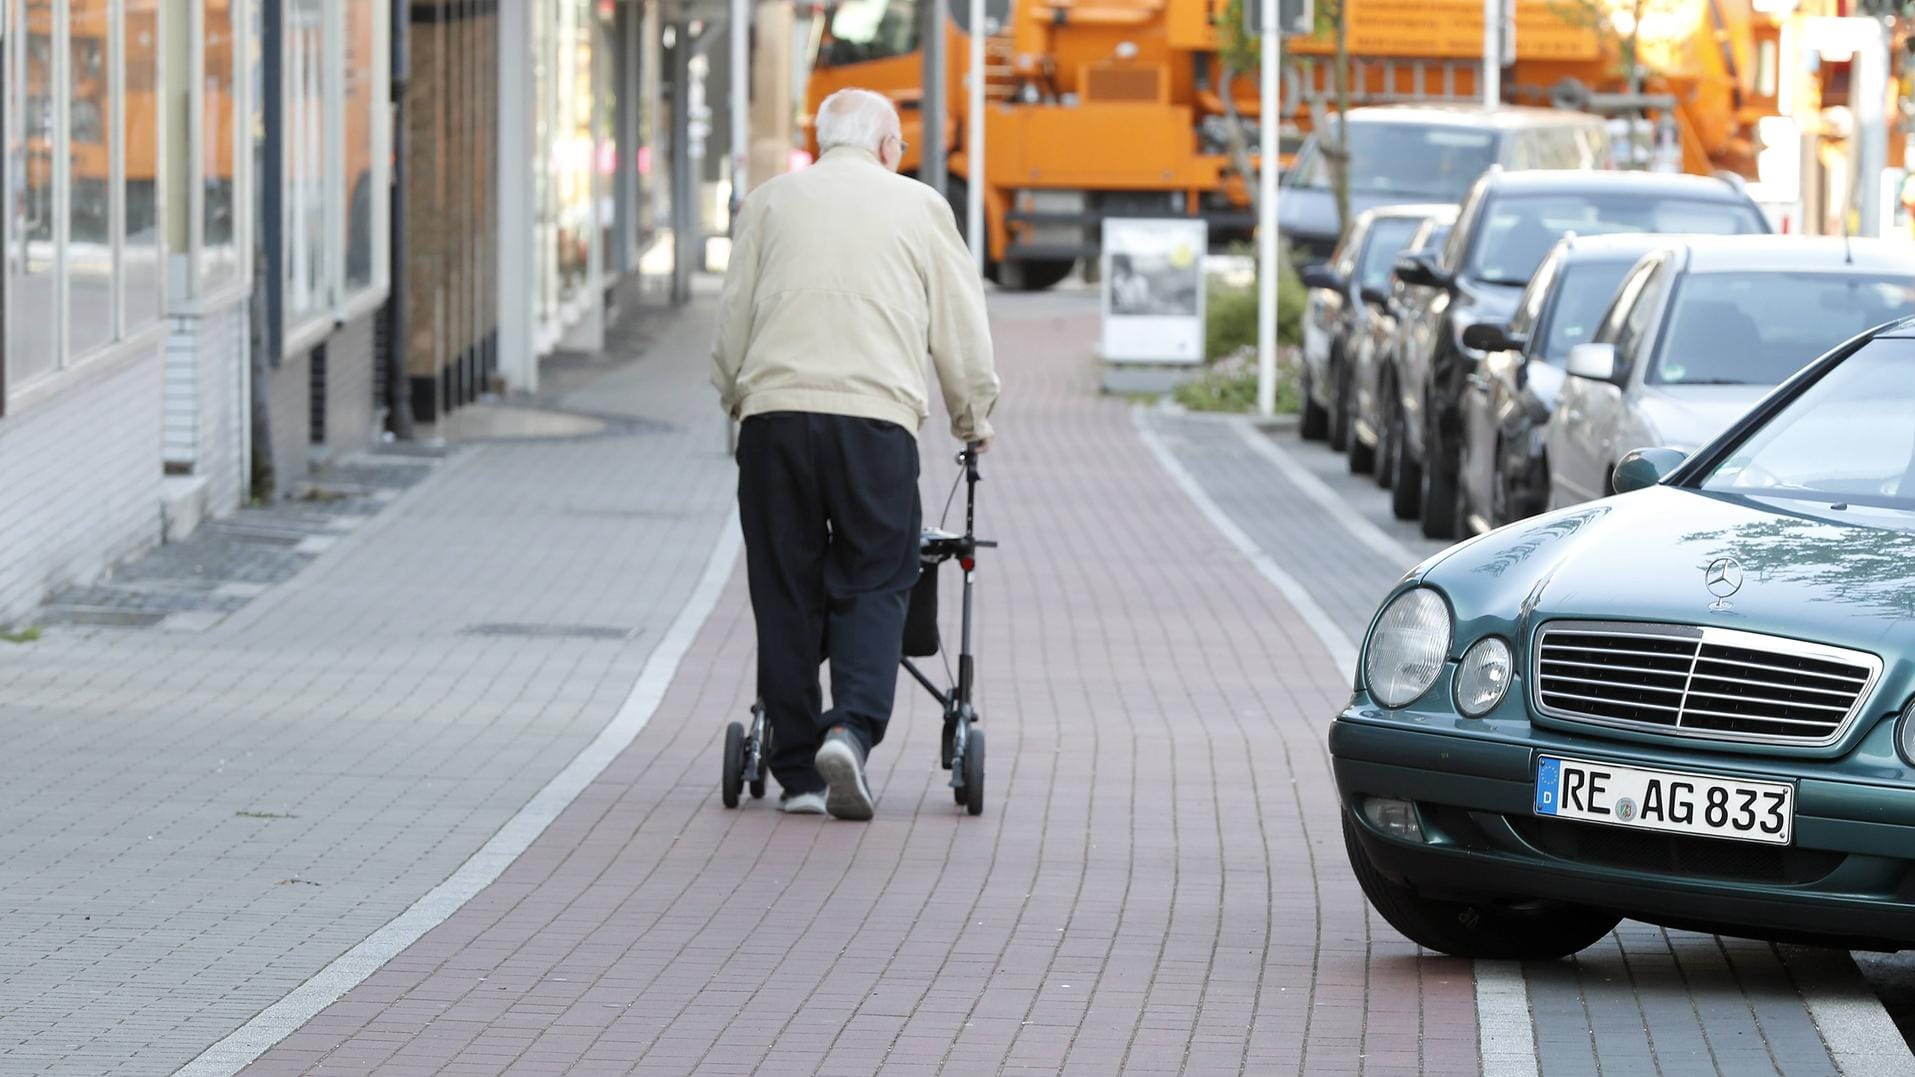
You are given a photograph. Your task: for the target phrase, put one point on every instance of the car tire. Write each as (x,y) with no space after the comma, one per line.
(1314,423)
(1362,457)
(1406,475)
(1543,931)
(1439,487)
(1386,441)
(1339,404)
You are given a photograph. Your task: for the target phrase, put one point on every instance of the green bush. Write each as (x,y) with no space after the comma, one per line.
(1230,384)
(1230,315)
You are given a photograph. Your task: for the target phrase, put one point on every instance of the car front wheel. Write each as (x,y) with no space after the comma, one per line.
(1538,931)
(1314,425)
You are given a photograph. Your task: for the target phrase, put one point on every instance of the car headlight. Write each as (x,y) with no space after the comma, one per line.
(1407,647)
(1482,677)
(1905,734)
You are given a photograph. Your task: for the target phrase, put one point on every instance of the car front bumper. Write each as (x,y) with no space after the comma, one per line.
(1846,880)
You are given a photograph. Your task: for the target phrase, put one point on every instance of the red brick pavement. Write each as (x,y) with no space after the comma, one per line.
(1159,883)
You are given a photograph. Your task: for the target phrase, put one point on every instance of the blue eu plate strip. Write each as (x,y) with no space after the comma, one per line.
(1549,780)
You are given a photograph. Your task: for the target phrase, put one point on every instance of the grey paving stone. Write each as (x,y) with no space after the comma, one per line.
(338,695)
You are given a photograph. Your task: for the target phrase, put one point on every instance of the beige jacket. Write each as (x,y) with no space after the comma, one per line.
(842,277)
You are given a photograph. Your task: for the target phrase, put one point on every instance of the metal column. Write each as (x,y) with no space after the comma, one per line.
(684,213)
(974,140)
(739,30)
(932,167)
(516,249)
(1267,267)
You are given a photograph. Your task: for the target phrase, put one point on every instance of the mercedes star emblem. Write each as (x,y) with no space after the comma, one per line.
(1723,578)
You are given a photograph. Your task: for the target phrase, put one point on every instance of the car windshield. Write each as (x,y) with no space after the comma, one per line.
(1435,161)
(1518,230)
(1744,328)
(1583,292)
(1850,437)
(1387,238)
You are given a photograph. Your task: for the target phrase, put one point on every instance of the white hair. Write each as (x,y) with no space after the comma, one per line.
(860,118)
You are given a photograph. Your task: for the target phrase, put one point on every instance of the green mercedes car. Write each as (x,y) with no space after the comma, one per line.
(1689,703)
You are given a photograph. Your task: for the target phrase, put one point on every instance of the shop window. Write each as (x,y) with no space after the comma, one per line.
(80,230)
(333,182)
(219,256)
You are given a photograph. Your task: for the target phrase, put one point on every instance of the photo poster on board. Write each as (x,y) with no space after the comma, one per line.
(1153,289)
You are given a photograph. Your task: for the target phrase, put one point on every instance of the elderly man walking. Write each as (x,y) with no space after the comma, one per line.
(842,278)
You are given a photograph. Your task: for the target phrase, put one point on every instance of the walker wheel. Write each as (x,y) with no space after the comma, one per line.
(764,757)
(734,763)
(973,789)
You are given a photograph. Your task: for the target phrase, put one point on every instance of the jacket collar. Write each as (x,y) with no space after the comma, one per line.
(851,153)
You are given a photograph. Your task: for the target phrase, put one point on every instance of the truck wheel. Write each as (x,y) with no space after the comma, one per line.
(1543,931)
(1034,274)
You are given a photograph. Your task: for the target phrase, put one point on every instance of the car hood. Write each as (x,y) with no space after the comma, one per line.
(1688,416)
(1642,556)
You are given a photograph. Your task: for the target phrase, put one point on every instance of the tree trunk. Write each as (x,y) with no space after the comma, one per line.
(1340,82)
(1239,146)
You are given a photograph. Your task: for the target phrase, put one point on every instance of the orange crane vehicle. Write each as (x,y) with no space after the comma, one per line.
(1100,108)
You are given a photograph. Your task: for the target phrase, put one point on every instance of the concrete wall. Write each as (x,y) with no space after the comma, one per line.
(206,402)
(81,474)
(346,380)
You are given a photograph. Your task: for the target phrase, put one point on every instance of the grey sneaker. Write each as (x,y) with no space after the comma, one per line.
(841,760)
(802,803)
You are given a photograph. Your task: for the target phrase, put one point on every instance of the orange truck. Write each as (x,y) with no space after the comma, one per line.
(1100,108)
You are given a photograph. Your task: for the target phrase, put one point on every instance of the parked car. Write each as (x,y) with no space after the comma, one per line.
(1689,704)
(1373,361)
(1336,313)
(1504,470)
(1428,153)
(1701,331)
(1502,234)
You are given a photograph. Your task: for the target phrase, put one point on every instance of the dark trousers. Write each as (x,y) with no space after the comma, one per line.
(829,508)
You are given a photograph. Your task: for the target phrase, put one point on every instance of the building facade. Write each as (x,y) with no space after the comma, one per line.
(239,236)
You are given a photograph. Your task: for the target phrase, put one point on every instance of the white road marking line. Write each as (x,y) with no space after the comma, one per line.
(1334,505)
(1860,1035)
(1334,639)
(284,1017)
(1506,1037)
(1505,1034)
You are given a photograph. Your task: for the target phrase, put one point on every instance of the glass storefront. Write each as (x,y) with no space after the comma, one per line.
(333,189)
(80,228)
(567,182)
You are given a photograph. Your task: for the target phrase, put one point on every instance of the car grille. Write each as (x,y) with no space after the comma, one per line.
(1674,854)
(1711,683)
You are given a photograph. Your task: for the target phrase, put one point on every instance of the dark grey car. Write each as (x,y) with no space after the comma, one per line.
(1508,399)
(1373,359)
(1427,153)
(1337,313)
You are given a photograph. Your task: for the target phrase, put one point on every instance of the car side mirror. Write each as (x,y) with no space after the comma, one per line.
(1491,337)
(1322,276)
(1375,296)
(1644,468)
(1596,362)
(1420,269)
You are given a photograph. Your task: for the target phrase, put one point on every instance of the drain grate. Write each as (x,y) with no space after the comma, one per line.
(531,631)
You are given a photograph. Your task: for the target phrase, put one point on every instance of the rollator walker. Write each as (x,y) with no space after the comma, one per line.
(961,746)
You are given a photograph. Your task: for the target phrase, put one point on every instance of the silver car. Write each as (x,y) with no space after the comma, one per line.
(1701,330)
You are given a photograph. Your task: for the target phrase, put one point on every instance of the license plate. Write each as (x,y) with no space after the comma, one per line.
(1668,801)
